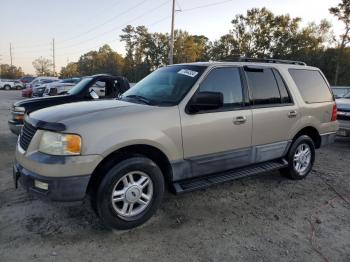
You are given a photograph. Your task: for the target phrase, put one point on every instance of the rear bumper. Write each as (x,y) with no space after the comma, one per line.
(58,188)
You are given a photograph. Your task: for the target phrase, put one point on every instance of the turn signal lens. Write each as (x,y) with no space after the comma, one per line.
(73,144)
(19,117)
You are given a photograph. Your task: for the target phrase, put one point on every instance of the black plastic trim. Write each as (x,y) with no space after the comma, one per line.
(204,182)
(40,124)
(66,189)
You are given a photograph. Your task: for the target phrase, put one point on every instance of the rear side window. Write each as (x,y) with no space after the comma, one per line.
(312,86)
(263,86)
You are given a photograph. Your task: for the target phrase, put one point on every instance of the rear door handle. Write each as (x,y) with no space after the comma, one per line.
(292,114)
(240,120)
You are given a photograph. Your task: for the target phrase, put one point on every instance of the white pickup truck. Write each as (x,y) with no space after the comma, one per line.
(10,84)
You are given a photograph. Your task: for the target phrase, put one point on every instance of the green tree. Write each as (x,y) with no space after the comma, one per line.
(10,72)
(129,63)
(342,12)
(260,33)
(42,66)
(70,70)
(105,60)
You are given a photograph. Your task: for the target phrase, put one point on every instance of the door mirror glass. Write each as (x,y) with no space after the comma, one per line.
(93,94)
(203,101)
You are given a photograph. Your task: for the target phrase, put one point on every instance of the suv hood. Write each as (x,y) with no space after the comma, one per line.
(60,113)
(42,102)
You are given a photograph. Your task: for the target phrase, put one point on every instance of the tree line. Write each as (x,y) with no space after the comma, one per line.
(257,34)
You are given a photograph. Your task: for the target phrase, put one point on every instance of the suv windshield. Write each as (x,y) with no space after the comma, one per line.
(165,86)
(80,86)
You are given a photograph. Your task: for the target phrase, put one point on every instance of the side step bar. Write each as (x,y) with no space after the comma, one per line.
(206,181)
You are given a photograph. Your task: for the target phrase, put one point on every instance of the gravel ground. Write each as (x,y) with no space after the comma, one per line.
(261,218)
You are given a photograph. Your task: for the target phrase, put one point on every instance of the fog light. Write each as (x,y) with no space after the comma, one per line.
(41,185)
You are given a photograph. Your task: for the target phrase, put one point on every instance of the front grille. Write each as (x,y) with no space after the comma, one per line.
(27,134)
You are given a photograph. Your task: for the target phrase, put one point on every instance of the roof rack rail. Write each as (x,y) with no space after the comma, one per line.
(270,60)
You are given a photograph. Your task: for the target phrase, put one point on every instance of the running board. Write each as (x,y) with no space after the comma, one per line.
(206,181)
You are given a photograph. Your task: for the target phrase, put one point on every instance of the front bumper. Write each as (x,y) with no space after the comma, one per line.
(58,188)
(15,127)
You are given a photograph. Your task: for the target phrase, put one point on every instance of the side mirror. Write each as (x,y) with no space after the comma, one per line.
(205,101)
(93,94)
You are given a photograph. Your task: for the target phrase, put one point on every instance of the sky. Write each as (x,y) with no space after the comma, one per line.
(79,26)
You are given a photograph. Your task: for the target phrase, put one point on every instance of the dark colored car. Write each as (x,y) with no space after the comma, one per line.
(89,88)
(343,115)
(26,79)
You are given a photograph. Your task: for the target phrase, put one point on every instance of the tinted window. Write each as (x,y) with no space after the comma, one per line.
(263,86)
(312,85)
(226,81)
(285,96)
(80,86)
(165,86)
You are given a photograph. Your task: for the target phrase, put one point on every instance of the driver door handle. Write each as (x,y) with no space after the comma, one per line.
(292,114)
(240,120)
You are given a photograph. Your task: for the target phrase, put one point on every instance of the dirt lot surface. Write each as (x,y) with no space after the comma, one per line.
(262,218)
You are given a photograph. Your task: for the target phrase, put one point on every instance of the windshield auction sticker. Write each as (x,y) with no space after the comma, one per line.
(187,72)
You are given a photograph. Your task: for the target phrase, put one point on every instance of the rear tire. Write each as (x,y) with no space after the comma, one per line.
(301,157)
(7,87)
(130,193)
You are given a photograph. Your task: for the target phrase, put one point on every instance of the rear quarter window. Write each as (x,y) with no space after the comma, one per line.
(312,86)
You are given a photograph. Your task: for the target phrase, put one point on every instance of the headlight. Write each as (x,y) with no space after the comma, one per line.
(60,144)
(18,113)
(18,109)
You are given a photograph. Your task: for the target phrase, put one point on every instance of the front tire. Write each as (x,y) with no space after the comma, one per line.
(130,193)
(301,157)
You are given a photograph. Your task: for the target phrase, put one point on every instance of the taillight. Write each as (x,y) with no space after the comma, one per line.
(334,113)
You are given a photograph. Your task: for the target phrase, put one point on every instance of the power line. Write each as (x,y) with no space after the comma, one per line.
(40,44)
(114,39)
(118,27)
(109,31)
(179,6)
(104,23)
(207,5)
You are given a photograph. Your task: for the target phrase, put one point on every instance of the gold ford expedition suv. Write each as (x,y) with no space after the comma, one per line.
(183,127)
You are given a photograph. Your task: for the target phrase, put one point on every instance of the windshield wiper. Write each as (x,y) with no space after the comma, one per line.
(140,98)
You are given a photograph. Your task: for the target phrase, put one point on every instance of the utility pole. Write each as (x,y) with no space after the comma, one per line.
(0,65)
(11,54)
(171,53)
(53,56)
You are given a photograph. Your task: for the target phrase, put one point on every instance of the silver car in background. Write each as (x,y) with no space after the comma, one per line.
(61,87)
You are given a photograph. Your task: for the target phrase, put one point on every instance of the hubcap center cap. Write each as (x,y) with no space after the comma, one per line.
(133,194)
